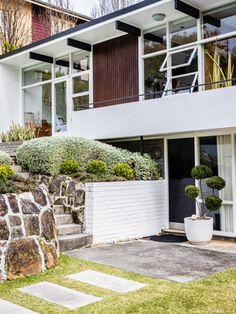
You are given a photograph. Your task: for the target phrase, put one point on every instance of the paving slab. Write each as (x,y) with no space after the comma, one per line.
(10,308)
(56,294)
(160,260)
(107,281)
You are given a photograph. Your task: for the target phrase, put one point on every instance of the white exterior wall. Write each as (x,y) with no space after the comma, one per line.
(10,102)
(125,210)
(207,110)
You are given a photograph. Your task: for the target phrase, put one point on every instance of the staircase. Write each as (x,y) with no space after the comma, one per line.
(70,235)
(18,171)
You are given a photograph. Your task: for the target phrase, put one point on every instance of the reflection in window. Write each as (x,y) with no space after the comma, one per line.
(81,84)
(81,102)
(61,107)
(216,152)
(81,62)
(62,66)
(154,79)
(219,21)
(38,108)
(37,74)
(155,40)
(183,31)
(220,63)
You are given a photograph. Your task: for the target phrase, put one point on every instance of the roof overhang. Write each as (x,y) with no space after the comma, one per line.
(104,28)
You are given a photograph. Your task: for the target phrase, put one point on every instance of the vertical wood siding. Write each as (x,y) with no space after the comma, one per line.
(115,71)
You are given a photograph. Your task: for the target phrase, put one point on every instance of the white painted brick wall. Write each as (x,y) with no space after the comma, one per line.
(10,104)
(125,210)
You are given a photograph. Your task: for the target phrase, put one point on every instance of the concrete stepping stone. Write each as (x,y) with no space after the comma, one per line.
(106,281)
(56,294)
(10,308)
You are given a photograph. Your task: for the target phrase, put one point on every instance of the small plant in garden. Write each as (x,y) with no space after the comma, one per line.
(123,170)
(210,202)
(5,159)
(5,173)
(18,133)
(98,167)
(70,167)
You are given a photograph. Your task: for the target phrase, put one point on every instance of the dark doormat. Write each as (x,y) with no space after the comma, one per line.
(167,238)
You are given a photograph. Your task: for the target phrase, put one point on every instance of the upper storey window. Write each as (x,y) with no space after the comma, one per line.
(219,21)
(183,32)
(155,40)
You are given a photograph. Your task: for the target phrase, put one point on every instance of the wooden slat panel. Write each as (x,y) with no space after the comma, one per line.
(115,71)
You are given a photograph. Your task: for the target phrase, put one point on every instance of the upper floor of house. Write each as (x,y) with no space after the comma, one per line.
(146,54)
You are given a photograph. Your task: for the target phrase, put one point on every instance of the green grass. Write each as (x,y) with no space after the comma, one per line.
(213,294)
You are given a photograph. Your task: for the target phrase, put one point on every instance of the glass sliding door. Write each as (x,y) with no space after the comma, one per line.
(216,152)
(61,104)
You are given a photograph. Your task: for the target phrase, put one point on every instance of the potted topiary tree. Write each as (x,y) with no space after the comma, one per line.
(199,228)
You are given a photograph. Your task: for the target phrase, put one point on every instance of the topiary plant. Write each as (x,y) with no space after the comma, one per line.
(70,167)
(5,159)
(209,202)
(96,167)
(5,173)
(123,170)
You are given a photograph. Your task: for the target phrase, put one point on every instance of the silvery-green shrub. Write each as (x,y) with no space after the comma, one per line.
(5,159)
(45,155)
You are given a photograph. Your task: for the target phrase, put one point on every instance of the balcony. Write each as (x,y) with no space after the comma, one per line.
(178,113)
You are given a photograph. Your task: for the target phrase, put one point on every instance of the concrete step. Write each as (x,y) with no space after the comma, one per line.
(63,219)
(17,169)
(73,242)
(69,229)
(58,209)
(23,175)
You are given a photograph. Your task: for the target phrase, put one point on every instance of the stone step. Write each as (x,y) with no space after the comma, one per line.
(58,209)
(17,169)
(69,229)
(63,219)
(73,242)
(23,175)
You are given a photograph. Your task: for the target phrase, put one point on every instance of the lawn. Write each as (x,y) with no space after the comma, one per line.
(213,294)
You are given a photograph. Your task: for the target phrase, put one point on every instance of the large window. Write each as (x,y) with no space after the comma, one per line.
(219,21)
(38,108)
(36,74)
(155,40)
(216,152)
(220,63)
(61,107)
(62,66)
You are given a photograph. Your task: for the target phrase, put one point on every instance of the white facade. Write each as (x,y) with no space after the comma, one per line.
(118,211)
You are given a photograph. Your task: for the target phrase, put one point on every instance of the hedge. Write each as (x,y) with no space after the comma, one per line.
(45,155)
(5,159)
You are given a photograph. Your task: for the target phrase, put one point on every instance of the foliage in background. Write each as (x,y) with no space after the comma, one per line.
(210,202)
(104,7)
(45,155)
(17,132)
(5,159)
(70,167)
(96,167)
(123,170)
(5,173)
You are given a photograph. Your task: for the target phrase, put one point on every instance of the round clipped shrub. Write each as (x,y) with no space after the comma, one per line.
(201,172)
(213,202)
(216,183)
(96,167)
(70,167)
(192,191)
(5,159)
(5,173)
(123,170)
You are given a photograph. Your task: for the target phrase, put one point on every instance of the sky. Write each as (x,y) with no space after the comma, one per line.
(83,6)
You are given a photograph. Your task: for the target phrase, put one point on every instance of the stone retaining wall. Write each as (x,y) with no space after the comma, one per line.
(28,241)
(10,147)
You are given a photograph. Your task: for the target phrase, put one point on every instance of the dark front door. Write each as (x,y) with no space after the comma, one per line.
(181,161)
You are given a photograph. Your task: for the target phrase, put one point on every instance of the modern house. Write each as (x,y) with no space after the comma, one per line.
(157,77)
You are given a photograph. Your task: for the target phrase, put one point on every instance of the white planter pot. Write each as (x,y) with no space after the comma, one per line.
(199,232)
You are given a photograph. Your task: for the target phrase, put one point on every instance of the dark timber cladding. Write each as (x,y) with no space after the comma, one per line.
(115,76)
